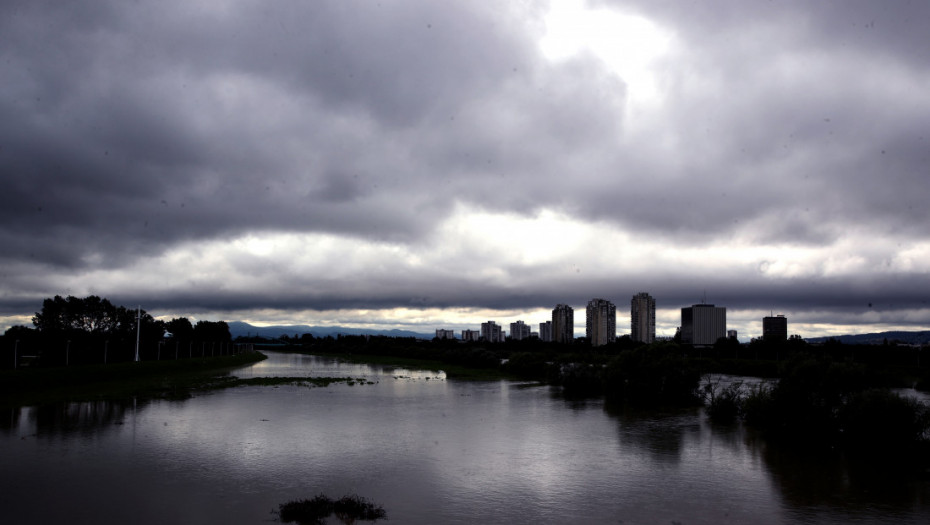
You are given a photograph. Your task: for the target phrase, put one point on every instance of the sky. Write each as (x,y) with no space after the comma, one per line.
(419,165)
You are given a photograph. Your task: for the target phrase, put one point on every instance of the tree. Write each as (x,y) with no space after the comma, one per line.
(90,315)
(212,331)
(93,315)
(181,328)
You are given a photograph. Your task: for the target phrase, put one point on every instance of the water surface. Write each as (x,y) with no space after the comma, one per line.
(430,450)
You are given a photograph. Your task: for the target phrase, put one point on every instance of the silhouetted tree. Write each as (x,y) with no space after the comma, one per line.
(181,328)
(92,316)
(212,331)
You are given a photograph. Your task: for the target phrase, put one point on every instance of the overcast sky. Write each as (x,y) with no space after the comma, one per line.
(422,164)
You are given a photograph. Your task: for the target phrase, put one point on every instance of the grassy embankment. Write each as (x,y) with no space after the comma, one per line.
(149,379)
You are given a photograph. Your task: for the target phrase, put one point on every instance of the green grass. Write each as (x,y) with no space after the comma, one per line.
(149,379)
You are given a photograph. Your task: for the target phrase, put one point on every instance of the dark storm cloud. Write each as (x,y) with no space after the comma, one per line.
(131,122)
(807,102)
(129,131)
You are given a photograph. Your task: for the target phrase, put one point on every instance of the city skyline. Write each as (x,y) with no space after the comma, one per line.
(434,164)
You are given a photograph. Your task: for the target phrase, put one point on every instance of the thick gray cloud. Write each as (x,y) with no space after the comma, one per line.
(379,155)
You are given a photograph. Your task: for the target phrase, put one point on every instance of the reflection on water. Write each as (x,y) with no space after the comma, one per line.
(428,449)
(67,418)
(813,483)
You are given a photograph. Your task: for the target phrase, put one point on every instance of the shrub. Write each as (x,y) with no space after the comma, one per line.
(655,374)
(314,511)
(723,405)
(528,365)
(884,422)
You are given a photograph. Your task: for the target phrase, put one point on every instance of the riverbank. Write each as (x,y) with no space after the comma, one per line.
(150,379)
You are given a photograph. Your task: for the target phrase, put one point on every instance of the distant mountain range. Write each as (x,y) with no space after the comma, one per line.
(238,328)
(911,338)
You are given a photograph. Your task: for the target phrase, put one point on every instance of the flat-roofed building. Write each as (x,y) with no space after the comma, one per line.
(519,331)
(470,335)
(563,324)
(545,331)
(491,332)
(601,322)
(703,324)
(445,334)
(775,328)
(643,318)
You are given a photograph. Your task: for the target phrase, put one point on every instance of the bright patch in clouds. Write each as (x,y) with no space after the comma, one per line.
(628,44)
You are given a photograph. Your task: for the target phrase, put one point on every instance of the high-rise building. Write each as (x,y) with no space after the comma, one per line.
(643,318)
(491,332)
(545,331)
(470,335)
(519,331)
(563,324)
(601,322)
(703,324)
(444,334)
(775,328)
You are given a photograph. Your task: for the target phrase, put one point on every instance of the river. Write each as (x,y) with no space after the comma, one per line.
(428,449)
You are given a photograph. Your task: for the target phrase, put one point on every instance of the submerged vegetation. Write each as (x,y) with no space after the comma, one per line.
(818,402)
(348,509)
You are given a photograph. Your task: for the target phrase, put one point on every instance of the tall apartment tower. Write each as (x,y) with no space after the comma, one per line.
(601,322)
(703,324)
(643,318)
(545,331)
(775,328)
(491,332)
(563,324)
(519,331)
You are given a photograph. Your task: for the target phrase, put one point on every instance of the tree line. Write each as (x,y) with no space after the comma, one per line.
(74,330)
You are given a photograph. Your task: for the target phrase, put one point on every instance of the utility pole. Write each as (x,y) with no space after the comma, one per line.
(138,325)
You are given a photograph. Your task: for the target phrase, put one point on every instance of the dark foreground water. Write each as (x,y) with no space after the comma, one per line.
(429,450)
